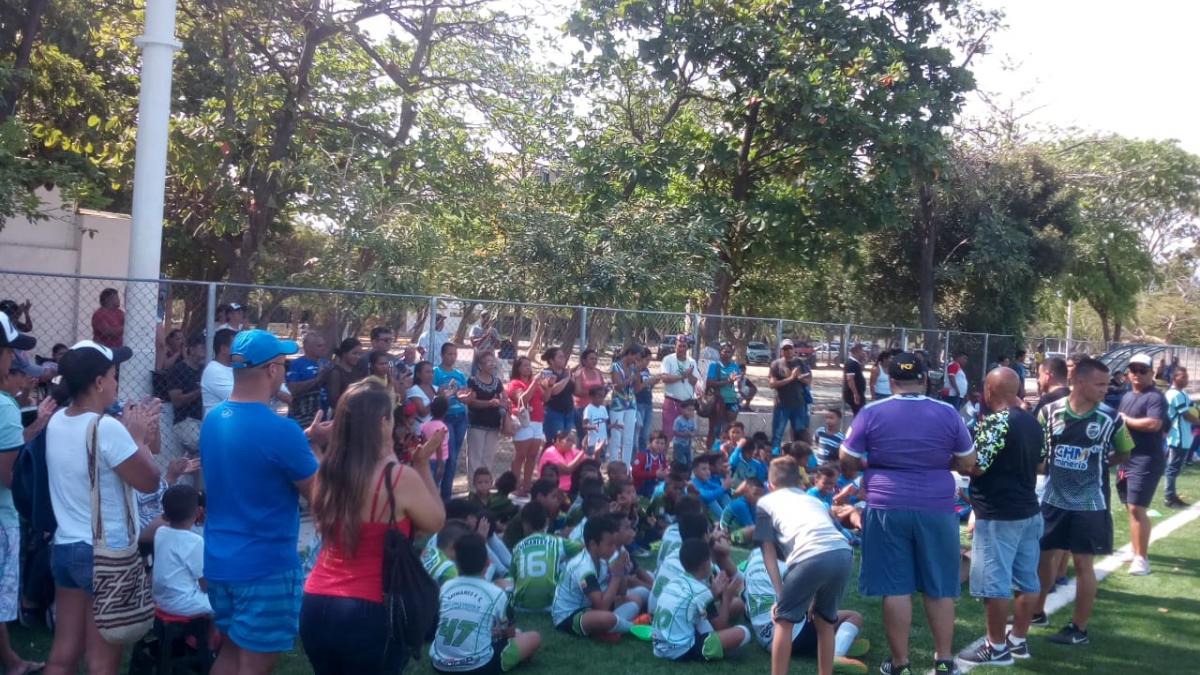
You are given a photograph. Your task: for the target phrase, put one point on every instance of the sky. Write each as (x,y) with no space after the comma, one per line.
(1100,65)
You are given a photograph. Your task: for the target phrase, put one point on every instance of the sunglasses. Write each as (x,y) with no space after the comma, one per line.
(1139,370)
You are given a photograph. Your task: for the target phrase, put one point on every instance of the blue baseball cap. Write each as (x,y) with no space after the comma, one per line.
(253,348)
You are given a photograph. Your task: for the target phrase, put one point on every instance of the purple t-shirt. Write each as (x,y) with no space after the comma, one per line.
(908,443)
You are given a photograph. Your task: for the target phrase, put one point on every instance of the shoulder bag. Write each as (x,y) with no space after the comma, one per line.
(122,603)
(410,595)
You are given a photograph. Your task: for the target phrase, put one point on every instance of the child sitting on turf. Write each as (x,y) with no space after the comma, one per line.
(587,487)
(695,526)
(538,560)
(734,438)
(760,600)
(594,506)
(481,487)
(829,438)
(617,470)
(475,632)
(438,556)
(803,454)
(544,492)
(826,481)
(562,457)
(639,579)
(650,465)
(500,504)
(738,517)
(686,504)
(479,520)
(751,460)
(682,628)
(683,431)
(179,586)
(595,422)
(588,600)
(711,489)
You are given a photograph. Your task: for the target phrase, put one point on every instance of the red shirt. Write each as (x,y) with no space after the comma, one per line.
(537,407)
(646,466)
(108,327)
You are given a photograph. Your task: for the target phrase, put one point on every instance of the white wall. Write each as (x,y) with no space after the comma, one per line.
(66,241)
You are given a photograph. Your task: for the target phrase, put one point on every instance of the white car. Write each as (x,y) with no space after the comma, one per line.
(758,352)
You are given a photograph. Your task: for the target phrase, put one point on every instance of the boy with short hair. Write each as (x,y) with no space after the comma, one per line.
(711,489)
(760,600)
(738,518)
(544,492)
(471,613)
(683,431)
(650,465)
(829,438)
(538,561)
(671,540)
(695,526)
(593,505)
(585,600)
(438,556)
(616,470)
(481,487)
(595,422)
(735,439)
(179,586)
(682,631)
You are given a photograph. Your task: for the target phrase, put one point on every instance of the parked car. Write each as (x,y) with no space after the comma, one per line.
(758,352)
(806,353)
(667,346)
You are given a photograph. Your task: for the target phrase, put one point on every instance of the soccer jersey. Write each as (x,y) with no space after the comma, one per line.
(668,571)
(759,596)
(537,562)
(441,568)
(1178,405)
(1076,452)
(828,442)
(671,542)
(580,578)
(576,535)
(684,603)
(470,610)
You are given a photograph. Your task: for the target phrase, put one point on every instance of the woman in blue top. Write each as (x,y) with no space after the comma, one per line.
(644,388)
(448,380)
(622,414)
(722,378)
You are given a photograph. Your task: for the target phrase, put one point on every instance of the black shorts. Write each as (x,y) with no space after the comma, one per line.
(1082,532)
(696,653)
(1138,478)
(805,642)
(492,667)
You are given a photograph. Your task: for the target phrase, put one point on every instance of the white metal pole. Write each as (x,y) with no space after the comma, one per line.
(158,45)
(1070,324)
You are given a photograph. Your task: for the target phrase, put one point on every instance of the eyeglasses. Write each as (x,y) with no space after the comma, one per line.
(1139,370)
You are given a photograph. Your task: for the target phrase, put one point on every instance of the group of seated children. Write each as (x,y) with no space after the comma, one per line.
(574,549)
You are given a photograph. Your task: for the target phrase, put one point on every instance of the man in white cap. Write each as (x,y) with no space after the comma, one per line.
(789,377)
(256,466)
(1144,409)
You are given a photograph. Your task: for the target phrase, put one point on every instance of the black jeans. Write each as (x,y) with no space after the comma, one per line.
(345,636)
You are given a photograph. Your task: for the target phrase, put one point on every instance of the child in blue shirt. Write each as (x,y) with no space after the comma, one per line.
(752,461)
(683,431)
(738,517)
(711,489)
(829,438)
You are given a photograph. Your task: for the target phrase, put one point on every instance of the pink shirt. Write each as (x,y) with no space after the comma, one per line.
(552,455)
(431,427)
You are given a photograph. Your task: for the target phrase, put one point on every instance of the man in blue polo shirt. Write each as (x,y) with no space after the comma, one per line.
(910,443)
(256,465)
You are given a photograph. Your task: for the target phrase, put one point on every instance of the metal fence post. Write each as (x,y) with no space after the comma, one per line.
(904,339)
(210,320)
(845,342)
(984,369)
(778,336)
(696,338)
(583,325)
(429,355)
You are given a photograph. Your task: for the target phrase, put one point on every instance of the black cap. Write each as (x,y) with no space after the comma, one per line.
(10,337)
(906,366)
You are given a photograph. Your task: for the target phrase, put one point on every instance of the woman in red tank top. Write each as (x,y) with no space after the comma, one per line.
(343,623)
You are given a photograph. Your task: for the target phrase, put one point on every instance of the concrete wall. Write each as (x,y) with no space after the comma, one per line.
(66,241)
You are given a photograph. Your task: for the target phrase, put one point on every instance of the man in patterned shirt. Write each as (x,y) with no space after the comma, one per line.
(1082,436)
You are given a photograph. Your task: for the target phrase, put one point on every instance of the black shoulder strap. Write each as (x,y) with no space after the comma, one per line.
(391,497)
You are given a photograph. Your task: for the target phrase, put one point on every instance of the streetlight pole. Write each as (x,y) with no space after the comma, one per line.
(158,45)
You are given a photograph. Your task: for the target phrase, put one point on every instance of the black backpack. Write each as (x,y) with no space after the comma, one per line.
(410,595)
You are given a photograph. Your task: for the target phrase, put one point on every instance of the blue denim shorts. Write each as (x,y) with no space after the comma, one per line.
(1005,556)
(260,616)
(906,551)
(71,566)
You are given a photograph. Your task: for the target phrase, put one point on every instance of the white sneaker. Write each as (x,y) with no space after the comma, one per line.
(1127,555)
(1140,567)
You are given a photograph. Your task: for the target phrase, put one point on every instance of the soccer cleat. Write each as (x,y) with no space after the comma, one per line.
(889,668)
(1070,635)
(1018,651)
(945,667)
(986,654)
(858,648)
(843,664)
(1140,567)
(1038,619)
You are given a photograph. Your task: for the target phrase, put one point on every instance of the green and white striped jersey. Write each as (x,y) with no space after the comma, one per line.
(538,561)
(581,577)
(683,604)
(671,542)
(470,611)
(441,568)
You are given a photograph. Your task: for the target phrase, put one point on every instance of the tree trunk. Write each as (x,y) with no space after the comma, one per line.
(927,235)
(715,306)
(1116,333)
(22,54)
(1104,323)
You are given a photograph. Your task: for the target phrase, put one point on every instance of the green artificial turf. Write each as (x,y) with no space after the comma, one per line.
(1148,624)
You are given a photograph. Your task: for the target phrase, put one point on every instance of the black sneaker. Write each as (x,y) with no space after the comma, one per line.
(889,668)
(1018,651)
(945,667)
(986,654)
(1175,503)
(1070,635)
(1039,619)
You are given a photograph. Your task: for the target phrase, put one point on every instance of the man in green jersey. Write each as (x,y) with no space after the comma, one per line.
(1083,436)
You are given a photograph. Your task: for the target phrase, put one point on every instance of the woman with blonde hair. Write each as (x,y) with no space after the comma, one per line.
(361,492)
